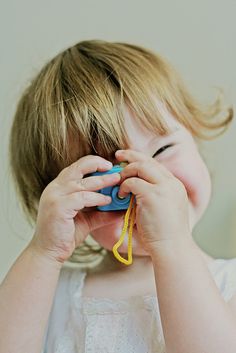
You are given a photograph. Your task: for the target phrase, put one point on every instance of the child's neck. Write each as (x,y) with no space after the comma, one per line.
(114,280)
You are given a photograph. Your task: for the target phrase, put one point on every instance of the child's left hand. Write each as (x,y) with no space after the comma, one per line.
(162,201)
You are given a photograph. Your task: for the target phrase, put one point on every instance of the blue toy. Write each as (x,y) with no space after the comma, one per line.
(117,202)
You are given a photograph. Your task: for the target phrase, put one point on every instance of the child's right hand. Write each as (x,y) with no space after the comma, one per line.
(62,223)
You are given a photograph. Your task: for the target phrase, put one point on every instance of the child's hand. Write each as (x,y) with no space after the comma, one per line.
(62,224)
(162,201)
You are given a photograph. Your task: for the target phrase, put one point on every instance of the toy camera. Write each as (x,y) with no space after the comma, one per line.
(117,202)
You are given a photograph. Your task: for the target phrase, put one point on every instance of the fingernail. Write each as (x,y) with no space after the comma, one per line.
(108,164)
(117,174)
(120,197)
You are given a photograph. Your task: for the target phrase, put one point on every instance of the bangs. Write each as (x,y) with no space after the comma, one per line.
(104,83)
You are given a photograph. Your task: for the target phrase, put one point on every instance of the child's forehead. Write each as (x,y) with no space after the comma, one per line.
(134,126)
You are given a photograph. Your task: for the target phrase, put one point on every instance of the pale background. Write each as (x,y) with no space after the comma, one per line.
(198,37)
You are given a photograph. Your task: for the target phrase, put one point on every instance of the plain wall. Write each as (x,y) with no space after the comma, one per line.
(197,37)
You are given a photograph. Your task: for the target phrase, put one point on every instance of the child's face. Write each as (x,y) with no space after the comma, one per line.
(182,160)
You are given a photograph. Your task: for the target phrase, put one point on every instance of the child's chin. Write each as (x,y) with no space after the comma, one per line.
(108,243)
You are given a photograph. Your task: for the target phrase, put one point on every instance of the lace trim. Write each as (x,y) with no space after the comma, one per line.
(92,306)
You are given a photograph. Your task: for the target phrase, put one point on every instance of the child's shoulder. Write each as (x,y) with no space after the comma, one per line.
(224,274)
(220,266)
(71,279)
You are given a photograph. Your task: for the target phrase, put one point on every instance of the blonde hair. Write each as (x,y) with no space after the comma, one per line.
(74,107)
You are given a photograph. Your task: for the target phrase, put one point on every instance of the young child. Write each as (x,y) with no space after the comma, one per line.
(93,106)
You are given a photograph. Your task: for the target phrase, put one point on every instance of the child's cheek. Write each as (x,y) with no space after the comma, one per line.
(194,175)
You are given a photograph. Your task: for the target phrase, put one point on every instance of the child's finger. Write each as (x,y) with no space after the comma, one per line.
(146,171)
(76,201)
(136,186)
(91,183)
(135,156)
(131,155)
(85,165)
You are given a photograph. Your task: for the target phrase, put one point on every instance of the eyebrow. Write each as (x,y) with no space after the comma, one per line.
(176,128)
(171,131)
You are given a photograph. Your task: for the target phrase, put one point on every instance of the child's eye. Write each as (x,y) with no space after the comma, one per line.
(161,150)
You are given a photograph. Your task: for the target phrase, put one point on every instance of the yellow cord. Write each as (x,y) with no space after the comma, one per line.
(120,241)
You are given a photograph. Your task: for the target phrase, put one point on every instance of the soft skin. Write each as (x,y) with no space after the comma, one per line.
(175,180)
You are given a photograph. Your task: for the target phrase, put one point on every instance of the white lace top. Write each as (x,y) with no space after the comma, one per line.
(88,325)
